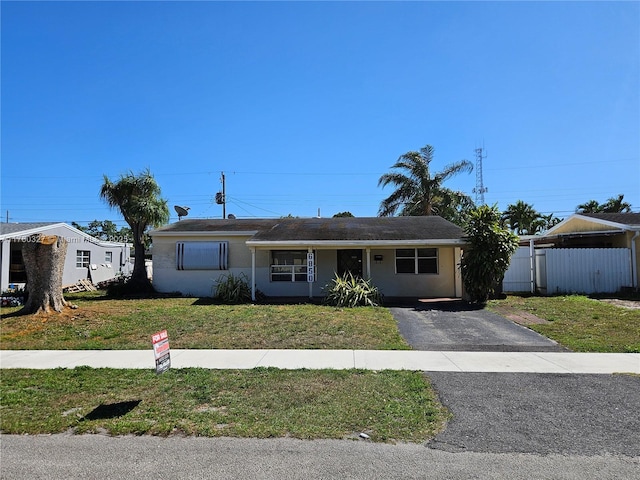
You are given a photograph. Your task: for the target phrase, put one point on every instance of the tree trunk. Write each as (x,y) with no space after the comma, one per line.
(44,265)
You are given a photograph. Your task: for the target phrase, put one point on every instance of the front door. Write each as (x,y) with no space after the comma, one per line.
(350,261)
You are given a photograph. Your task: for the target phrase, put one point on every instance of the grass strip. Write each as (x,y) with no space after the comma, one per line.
(580,323)
(389,406)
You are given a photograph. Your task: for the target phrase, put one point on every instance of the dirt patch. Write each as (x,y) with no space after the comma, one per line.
(518,316)
(630,304)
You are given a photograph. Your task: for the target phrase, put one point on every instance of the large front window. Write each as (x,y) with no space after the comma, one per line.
(417,260)
(289,266)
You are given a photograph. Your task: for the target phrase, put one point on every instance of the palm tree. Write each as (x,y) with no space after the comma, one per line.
(522,218)
(613,205)
(419,192)
(591,206)
(616,205)
(137,197)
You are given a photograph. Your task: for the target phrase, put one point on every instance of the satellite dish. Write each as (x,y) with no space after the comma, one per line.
(231,216)
(181,211)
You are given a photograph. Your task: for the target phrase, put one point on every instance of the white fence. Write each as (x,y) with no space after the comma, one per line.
(520,275)
(570,270)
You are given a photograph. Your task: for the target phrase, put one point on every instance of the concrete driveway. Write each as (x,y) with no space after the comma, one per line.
(453,325)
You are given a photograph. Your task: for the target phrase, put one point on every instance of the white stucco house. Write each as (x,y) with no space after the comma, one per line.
(405,257)
(87,257)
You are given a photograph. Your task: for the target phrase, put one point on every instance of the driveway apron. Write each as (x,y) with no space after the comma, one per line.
(455,326)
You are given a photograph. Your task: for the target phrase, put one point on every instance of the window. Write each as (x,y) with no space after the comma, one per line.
(202,255)
(289,266)
(83,258)
(417,260)
(108,257)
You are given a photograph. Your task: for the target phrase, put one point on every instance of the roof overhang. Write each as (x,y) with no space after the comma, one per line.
(328,244)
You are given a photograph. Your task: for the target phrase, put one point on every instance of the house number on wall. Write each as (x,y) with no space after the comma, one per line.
(310,267)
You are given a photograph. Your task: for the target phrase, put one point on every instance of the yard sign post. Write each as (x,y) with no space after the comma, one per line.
(161,351)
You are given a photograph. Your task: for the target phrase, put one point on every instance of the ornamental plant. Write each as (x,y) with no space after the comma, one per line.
(488,256)
(232,289)
(350,291)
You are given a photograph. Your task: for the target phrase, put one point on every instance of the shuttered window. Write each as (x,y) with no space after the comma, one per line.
(202,255)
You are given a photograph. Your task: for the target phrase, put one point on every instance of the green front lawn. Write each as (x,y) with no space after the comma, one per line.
(101,323)
(580,323)
(388,406)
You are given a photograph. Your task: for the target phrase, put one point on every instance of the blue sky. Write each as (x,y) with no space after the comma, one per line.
(304,105)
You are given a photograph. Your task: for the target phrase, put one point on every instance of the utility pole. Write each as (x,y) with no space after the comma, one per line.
(221,198)
(480,188)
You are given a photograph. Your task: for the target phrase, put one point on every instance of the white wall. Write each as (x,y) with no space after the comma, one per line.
(75,241)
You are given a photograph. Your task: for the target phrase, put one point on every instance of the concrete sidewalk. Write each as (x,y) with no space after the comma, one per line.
(434,361)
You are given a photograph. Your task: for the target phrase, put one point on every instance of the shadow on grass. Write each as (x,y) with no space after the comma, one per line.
(111,410)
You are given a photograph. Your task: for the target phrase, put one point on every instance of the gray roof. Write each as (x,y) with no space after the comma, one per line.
(327,229)
(11,228)
(629,219)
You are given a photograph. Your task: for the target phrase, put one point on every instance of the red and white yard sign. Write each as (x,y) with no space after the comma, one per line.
(161,350)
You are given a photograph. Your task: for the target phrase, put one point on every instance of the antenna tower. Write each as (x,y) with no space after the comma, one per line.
(480,188)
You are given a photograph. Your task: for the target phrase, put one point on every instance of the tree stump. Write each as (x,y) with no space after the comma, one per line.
(43,257)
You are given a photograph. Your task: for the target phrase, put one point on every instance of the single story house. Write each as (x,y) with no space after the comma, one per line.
(585,253)
(296,257)
(87,257)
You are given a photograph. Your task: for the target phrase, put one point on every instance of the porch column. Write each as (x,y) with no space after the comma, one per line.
(253,274)
(368,250)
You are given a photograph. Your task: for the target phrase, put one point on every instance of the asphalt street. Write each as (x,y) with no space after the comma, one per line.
(102,457)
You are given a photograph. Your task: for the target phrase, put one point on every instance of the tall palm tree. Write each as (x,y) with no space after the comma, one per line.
(137,197)
(419,192)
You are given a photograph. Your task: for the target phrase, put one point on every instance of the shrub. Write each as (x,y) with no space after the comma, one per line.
(232,289)
(484,264)
(350,291)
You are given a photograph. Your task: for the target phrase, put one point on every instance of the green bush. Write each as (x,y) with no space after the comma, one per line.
(350,291)
(488,256)
(232,289)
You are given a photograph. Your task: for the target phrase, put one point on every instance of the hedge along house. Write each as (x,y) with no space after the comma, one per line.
(405,257)
(87,257)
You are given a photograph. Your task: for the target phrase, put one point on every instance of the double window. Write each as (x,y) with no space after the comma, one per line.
(83,258)
(202,255)
(417,260)
(289,266)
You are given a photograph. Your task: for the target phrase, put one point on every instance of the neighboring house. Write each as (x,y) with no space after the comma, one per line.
(87,257)
(585,253)
(297,257)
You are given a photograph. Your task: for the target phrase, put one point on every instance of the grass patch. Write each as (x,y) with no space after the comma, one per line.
(101,323)
(581,323)
(266,402)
